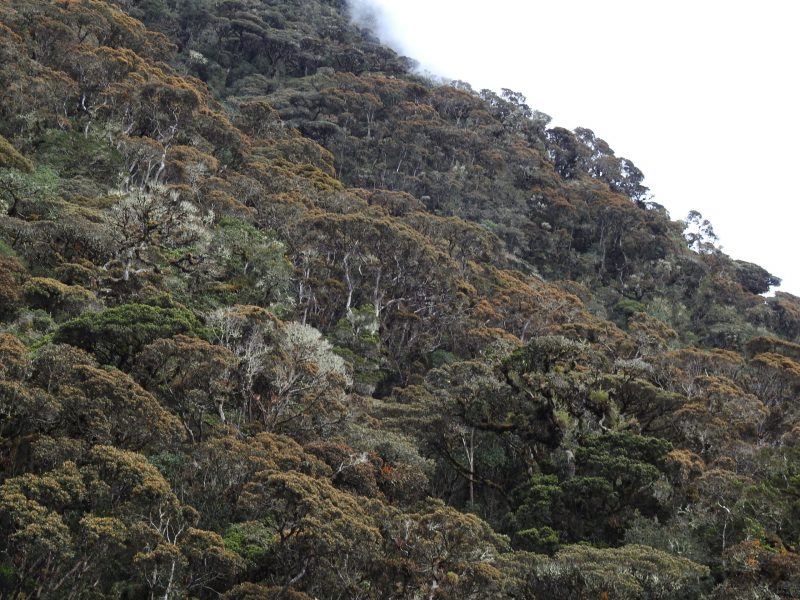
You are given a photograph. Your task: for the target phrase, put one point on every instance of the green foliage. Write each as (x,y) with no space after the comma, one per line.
(544,539)
(74,154)
(252,263)
(614,478)
(190,376)
(251,591)
(114,505)
(628,572)
(251,540)
(6,251)
(57,298)
(10,158)
(544,353)
(116,335)
(25,192)
(67,394)
(11,274)
(629,307)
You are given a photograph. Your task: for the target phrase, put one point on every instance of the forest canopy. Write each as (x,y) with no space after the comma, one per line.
(280,318)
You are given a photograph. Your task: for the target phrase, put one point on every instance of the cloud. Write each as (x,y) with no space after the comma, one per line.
(369,15)
(375,17)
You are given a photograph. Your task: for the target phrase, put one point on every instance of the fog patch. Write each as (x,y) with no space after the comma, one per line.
(371,16)
(368,15)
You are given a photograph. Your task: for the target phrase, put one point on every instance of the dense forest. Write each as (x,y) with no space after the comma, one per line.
(282,319)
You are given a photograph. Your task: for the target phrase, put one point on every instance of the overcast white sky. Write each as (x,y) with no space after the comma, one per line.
(701,95)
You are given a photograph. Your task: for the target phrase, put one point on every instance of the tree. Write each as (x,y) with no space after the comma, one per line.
(21,188)
(289,376)
(720,420)
(116,335)
(148,225)
(23,410)
(699,233)
(10,158)
(438,551)
(755,279)
(114,504)
(60,299)
(753,568)
(251,263)
(626,572)
(614,478)
(11,272)
(356,259)
(252,591)
(469,425)
(101,406)
(324,539)
(190,376)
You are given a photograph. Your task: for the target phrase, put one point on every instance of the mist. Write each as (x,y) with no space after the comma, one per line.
(369,15)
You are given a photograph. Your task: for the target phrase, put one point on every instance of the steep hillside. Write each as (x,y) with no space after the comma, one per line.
(281,319)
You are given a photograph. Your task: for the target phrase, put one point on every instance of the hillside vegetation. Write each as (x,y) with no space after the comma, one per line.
(280,319)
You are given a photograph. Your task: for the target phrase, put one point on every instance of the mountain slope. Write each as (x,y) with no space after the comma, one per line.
(279,318)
